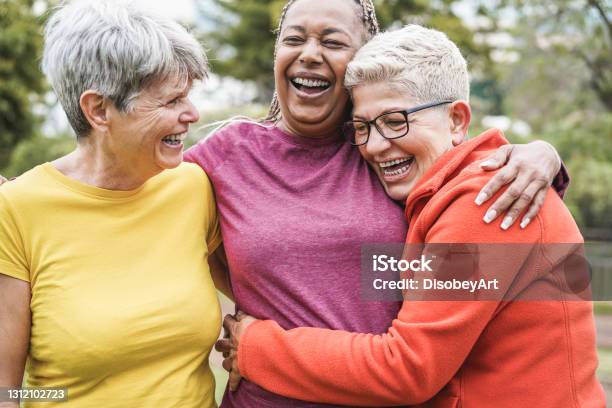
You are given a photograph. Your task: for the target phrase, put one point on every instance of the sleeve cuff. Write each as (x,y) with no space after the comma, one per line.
(248,344)
(11,270)
(561,181)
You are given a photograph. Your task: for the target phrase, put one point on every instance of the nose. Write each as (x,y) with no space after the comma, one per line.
(311,53)
(190,114)
(377,144)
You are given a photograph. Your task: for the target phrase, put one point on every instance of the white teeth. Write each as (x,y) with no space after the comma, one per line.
(394,162)
(311,83)
(397,172)
(385,166)
(175,139)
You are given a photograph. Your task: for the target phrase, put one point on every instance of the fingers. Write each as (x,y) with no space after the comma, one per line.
(503,177)
(229,322)
(497,159)
(227,364)
(513,193)
(234,378)
(2,180)
(223,346)
(535,207)
(525,198)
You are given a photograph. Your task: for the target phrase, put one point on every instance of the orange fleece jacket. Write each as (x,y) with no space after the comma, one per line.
(469,354)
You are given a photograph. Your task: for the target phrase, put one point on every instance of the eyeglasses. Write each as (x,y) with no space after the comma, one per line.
(390,125)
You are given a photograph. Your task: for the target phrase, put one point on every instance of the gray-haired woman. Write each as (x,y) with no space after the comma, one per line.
(104,283)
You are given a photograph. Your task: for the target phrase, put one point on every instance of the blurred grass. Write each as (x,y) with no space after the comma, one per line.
(603,308)
(605,361)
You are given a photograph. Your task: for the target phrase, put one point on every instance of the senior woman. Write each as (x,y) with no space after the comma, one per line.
(104,281)
(410,90)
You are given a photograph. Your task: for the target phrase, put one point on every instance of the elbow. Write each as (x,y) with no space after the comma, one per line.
(424,394)
(414,389)
(419,377)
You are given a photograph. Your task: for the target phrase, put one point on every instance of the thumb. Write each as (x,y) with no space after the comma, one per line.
(497,159)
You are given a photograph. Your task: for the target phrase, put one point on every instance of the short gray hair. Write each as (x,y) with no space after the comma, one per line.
(419,61)
(116,49)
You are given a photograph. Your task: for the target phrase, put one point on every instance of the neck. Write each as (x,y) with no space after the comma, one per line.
(312,132)
(93,165)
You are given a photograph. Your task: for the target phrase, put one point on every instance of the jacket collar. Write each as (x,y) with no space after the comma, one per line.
(448,164)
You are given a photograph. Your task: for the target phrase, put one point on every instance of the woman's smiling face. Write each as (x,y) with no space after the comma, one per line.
(150,137)
(317,40)
(400,163)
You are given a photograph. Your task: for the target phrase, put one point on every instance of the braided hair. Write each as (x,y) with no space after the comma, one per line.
(367,13)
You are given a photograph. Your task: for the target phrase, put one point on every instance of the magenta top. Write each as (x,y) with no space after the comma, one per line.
(294,212)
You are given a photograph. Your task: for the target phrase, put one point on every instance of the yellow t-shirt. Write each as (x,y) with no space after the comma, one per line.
(124,311)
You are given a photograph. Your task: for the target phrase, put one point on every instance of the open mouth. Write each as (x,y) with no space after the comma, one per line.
(174,140)
(310,86)
(397,167)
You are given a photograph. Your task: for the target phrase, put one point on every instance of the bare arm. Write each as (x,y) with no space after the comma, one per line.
(15,320)
(220,272)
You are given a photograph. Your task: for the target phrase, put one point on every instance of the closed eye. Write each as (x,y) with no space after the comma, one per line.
(333,44)
(293,40)
(175,101)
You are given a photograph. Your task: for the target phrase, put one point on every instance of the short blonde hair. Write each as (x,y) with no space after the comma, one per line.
(417,60)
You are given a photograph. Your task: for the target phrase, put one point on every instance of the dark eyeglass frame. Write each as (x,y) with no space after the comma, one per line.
(372,122)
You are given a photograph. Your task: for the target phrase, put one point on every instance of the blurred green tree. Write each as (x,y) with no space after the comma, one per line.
(36,150)
(21,82)
(565,47)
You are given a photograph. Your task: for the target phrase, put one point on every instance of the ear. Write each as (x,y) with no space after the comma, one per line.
(94,107)
(460,115)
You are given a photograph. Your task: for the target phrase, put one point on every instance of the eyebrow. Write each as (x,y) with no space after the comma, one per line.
(325,32)
(389,110)
(333,31)
(297,28)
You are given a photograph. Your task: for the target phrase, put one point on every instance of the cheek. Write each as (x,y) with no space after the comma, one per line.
(364,153)
(282,61)
(340,64)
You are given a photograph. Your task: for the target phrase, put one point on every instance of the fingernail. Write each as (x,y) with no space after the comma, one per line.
(489,216)
(506,223)
(486,163)
(525,222)
(482,197)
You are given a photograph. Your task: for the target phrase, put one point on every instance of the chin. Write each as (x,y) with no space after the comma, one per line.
(167,163)
(310,114)
(397,194)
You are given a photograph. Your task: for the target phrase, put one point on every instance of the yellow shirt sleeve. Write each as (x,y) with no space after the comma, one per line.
(12,255)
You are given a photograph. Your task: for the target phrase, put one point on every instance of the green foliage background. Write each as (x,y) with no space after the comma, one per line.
(21,83)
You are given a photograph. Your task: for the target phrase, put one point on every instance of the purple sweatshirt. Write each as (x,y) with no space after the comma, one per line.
(294,212)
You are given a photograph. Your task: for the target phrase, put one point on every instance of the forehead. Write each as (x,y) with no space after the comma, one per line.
(370,99)
(324,13)
(172,85)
